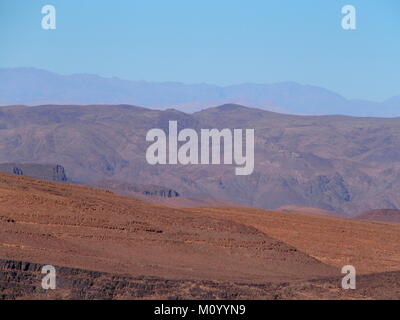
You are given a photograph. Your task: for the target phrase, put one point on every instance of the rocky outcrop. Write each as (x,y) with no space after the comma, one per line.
(22,280)
(59,174)
(145,189)
(47,172)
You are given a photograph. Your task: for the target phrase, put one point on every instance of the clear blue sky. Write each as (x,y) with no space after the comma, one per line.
(213,41)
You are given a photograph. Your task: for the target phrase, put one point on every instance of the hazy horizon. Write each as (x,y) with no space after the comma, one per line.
(34,86)
(288,81)
(220,43)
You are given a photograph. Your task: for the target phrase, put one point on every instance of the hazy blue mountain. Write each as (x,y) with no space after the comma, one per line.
(394,101)
(30,86)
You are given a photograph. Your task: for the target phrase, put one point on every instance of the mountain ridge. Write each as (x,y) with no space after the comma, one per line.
(295,161)
(31,86)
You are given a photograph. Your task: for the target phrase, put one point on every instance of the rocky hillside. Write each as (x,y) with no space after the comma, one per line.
(105,246)
(47,172)
(22,280)
(93,229)
(126,188)
(336,163)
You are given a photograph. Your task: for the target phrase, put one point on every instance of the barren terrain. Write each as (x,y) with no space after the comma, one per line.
(295,163)
(126,248)
(368,246)
(95,229)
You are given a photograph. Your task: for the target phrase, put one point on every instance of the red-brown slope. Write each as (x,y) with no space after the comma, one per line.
(93,229)
(369,246)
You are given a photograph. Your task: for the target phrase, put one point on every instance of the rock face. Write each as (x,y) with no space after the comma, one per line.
(336,163)
(47,172)
(125,187)
(22,280)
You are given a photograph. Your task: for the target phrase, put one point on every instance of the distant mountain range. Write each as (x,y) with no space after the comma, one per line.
(336,163)
(30,86)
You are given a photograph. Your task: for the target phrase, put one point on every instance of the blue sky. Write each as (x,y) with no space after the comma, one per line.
(221,42)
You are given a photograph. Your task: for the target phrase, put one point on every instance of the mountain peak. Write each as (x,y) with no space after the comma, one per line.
(231,107)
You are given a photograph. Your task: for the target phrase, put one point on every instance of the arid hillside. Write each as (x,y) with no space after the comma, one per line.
(112,247)
(295,161)
(368,246)
(97,230)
